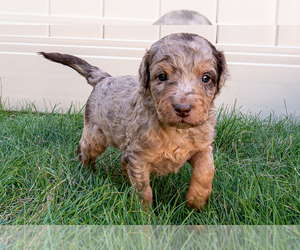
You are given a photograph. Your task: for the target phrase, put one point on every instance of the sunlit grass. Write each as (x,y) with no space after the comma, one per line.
(41,182)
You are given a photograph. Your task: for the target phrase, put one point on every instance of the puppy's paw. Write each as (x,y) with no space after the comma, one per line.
(197,197)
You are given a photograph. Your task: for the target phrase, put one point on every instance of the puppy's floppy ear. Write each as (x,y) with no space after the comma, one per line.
(144,72)
(221,68)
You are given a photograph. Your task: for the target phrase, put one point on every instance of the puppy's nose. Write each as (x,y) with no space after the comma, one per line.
(182,110)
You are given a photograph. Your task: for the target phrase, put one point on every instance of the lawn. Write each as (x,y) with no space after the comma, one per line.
(41,182)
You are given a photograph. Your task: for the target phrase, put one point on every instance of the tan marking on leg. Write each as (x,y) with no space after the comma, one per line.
(201,181)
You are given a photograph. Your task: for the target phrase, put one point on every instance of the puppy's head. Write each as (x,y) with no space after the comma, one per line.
(183,73)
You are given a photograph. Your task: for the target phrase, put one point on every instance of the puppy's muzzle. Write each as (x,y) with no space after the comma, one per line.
(182,110)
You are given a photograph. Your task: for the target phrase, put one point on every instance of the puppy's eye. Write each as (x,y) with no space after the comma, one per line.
(205,79)
(162,77)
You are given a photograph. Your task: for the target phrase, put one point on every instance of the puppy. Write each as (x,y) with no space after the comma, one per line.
(160,119)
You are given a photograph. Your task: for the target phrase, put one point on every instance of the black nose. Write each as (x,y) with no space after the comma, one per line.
(182,110)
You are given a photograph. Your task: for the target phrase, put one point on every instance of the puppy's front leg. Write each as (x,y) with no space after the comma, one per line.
(139,177)
(202,177)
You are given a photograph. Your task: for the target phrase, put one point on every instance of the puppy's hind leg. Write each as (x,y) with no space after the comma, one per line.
(91,145)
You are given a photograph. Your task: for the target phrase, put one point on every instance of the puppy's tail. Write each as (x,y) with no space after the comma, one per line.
(92,74)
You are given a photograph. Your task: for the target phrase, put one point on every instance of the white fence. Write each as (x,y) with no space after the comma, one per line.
(261,40)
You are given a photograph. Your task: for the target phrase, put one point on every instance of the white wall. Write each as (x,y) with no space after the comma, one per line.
(261,40)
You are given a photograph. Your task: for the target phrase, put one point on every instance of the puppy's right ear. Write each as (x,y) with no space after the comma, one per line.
(144,72)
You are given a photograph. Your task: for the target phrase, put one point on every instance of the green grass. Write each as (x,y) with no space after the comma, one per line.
(41,182)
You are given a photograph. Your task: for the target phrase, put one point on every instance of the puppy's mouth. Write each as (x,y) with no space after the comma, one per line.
(183,123)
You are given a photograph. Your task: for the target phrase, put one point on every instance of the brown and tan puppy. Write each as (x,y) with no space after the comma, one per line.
(159,120)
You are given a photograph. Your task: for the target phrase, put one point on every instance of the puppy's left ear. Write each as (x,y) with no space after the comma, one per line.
(221,69)
(144,72)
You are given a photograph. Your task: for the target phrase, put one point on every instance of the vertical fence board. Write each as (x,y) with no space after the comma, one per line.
(133,9)
(24,30)
(77,31)
(247,34)
(21,6)
(247,12)
(288,12)
(77,7)
(132,32)
(289,35)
